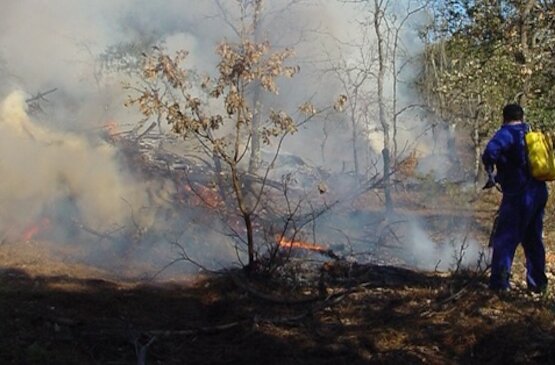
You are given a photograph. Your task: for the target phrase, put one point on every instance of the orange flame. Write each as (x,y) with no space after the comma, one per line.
(289,244)
(111,127)
(30,232)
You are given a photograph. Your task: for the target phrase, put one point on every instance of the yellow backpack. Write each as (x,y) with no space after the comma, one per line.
(541,158)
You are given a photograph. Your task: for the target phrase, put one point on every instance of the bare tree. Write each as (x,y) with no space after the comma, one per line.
(379,14)
(400,58)
(382,60)
(224,128)
(249,25)
(355,79)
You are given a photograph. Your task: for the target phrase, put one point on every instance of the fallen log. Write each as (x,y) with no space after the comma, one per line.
(147,131)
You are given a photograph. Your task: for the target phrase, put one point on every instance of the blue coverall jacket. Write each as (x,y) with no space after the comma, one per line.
(520,218)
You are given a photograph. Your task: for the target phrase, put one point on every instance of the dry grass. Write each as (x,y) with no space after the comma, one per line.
(377,315)
(55,311)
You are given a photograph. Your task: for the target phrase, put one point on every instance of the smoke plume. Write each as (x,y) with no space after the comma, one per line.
(53,163)
(41,168)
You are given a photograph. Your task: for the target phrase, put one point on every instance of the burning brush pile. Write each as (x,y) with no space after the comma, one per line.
(133,201)
(48,176)
(127,196)
(74,189)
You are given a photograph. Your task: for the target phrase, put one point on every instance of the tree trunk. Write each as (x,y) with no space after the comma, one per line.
(477,152)
(451,144)
(219,176)
(250,239)
(246,214)
(525,10)
(378,17)
(254,160)
(355,152)
(219,173)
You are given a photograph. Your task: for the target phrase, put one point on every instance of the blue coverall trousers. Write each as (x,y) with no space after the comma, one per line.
(520,220)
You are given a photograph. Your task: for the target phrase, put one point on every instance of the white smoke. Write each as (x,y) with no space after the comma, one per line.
(456,252)
(40,167)
(57,44)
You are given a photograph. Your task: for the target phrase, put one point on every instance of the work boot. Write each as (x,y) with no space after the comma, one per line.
(500,292)
(542,289)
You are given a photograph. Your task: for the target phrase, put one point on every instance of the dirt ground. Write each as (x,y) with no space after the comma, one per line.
(55,311)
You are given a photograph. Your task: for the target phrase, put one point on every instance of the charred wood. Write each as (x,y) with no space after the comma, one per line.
(40,96)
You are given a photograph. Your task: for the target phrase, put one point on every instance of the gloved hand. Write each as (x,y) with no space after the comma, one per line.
(490,183)
(491,179)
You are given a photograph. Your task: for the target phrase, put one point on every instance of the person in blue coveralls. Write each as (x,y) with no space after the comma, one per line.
(520,216)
